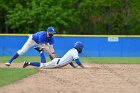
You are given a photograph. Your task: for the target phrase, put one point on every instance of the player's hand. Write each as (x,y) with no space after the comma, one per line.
(54,56)
(82,66)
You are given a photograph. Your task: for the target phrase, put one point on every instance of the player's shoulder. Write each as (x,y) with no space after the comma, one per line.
(41,33)
(73,50)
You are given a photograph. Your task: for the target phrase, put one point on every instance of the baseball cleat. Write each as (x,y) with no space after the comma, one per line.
(7,64)
(38,49)
(25,64)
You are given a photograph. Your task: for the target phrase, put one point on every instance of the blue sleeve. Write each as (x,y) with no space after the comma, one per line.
(51,41)
(78,61)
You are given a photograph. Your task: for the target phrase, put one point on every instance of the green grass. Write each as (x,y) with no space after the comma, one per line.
(98,60)
(10,75)
(113,60)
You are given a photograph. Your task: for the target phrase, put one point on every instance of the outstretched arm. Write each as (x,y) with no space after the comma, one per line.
(79,63)
(48,51)
(50,47)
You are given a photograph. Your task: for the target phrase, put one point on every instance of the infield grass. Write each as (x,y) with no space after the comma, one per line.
(98,60)
(10,75)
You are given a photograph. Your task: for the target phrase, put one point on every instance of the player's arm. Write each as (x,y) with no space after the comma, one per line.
(43,45)
(51,48)
(79,63)
(47,50)
(73,65)
(50,45)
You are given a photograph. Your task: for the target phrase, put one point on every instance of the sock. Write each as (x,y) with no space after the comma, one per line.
(14,57)
(51,57)
(43,59)
(37,64)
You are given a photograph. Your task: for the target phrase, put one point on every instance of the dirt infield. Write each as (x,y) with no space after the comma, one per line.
(97,78)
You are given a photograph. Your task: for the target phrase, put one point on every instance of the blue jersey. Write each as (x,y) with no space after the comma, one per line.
(41,38)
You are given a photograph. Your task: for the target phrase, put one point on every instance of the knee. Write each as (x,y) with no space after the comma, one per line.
(21,52)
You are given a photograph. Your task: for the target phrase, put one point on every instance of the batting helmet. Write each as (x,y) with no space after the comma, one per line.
(51,30)
(79,46)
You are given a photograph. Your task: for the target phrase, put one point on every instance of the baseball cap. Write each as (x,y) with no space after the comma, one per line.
(51,30)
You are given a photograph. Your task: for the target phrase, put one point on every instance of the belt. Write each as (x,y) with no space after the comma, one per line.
(58,61)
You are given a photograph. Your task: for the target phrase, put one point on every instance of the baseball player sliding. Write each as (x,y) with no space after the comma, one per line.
(71,55)
(41,39)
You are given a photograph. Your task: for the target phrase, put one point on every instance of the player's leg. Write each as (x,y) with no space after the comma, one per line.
(51,64)
(43,64)
(36,64)
(50,47)
(24,49)
(42,57)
